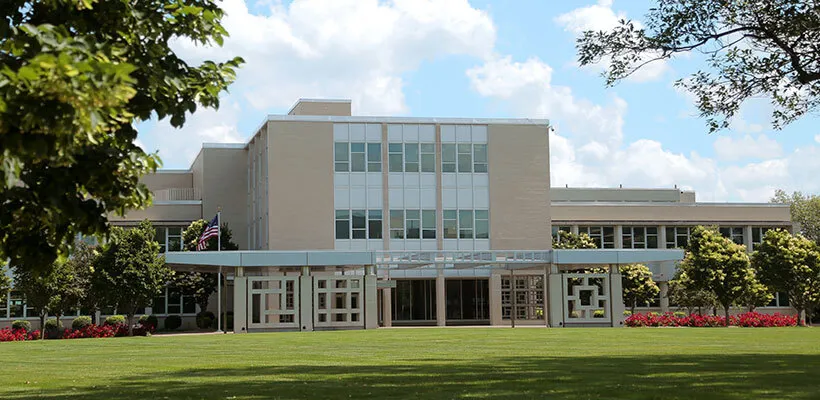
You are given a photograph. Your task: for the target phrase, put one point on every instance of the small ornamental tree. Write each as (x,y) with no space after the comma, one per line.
(638,285)
(130,270)
(201,285)
(5,280)
(719,265)
(790,264)
(567,240)
(49,292)
(756,295)
(683,293)
(81,262)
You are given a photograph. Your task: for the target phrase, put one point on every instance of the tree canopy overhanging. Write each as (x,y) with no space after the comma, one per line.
(754,48)
(75,77)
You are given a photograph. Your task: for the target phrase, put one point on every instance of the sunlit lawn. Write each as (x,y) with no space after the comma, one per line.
(662,363)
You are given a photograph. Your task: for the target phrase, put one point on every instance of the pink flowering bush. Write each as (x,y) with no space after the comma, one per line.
(748,320)
(17,335)
(88,331)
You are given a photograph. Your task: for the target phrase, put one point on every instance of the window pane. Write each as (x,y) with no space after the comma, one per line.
(374,229)
(394,147)
(480,167)
(374,152)
(465,163)
(341,167)
(429,219)
(651,242)
(188,305)
(428,163)
(465,219)
(465,149)
(482,229)
(396,219)
(357,147)
(357,162)
(411,152)
(374,214)
(359,234)
(482,214)
(466,233)
(450,214)
(412,214)
(413,228)
(429,148)
(374,167)
(341,152)
(480,152)
(449,167)
(342,229)
(358,219)
(448,153)
(342,214)
(395,163)
(411,167)
(450,229)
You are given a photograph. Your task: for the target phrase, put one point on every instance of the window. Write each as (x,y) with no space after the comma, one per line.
(342,224)
(412,224)
(677,237)
(411,157)
(357,157)
(757,235)
(396,224)
(529,297)
(4,305)
(448,158)
(640,237)
(558,230)
(428,224)
(465,224)
(464,157)
(780,299)
(450,224)
(603,236)
(394,157)
(374,224)
(172,302)
(341,155)
(169,238)
(482,224)
(428,157)
(358,224)
(480,158)
(374,157)
(733,233)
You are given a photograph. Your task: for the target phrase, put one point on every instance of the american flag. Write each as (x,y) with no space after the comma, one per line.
(212,230)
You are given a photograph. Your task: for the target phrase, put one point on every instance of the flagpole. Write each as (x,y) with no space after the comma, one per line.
(219,274)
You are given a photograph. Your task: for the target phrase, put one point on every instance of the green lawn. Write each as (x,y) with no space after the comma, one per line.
(447,363)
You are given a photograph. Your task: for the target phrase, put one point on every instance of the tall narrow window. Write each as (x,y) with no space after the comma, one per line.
(465,158)
(480,157)
(341,156)
(428,224)
(450,224)
(394,157)
(448,158)
(374,157)
(357,157)
(396,224)
(465,224)
(411,157)
(413,224)
(428,157)
(374,224)
(359,224)
(342,224)
(482,224)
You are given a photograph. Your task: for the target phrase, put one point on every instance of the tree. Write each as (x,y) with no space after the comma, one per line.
(805,210)
(567,240)
(638,285)
(81,262)
(49,293)
(790,264)
(754,49)
(718,265)
(130,271)
(201,285)
(756,295)
(684,293)
(5,280)
(75,78)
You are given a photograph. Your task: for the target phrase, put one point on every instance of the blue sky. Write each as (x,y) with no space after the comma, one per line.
(488,58)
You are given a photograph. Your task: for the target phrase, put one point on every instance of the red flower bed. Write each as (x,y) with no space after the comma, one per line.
(748,320)
(90,331)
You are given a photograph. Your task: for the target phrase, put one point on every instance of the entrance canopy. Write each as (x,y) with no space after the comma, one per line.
(404,260)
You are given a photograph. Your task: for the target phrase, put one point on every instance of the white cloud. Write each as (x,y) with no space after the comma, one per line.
(732,149)
(601,17)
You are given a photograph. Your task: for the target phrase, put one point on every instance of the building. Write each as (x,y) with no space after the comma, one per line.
(359,222)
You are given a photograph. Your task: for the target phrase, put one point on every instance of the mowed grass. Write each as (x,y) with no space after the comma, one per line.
(431,363)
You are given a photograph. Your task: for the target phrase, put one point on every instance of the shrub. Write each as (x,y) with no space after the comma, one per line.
(205,319)
(749,320)
(149,321)
(598,314)
(627,313)
(21,324)
(93,331)
(115,320)
(53,328)
(173,322)
(80,322)
(680,314)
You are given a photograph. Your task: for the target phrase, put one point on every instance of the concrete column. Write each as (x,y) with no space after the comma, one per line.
(662,237)
(387,307)
(619,236)
(574,229)
(240,301)
(664,287)
(495,299)
(441,301)
(306,300)
(616,296)
(556,297)
(747,238)
(546,304)
(371,303)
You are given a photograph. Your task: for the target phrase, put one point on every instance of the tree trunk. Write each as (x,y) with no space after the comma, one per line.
(130,321)
(42,326)
(726,314)
(632,309)
(801,317)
